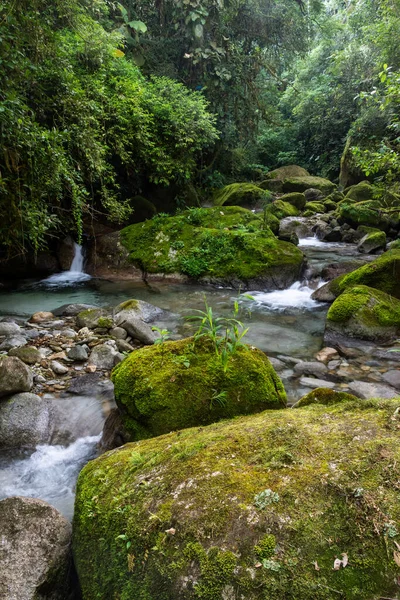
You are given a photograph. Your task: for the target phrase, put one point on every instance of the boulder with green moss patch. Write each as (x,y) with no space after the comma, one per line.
(288,171)
(301,184)
(382,274)
(312,208)
(325,396)
(180,384)
(363,313)
(259,508)
(297,199)
(239,194)
(228,245)
(360,192)
(372,242)
(281,209)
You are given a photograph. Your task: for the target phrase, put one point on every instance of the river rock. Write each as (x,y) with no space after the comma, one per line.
(15,376)
(71,310)
(310,382)
(24,421)
(92,385)
(35,554)
(13,342)
(327,354)
(78,353)
(28,354)
(103,356)
(119,333)
(297,225)
(41,317)
(366,390)
(317,369)
(372,242)
(58,368)
(124,346)
(139,309)
(9,329)
(392,378)
(94,317)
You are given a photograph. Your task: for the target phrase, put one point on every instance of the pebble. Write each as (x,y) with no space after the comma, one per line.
(327,354)
(58,368)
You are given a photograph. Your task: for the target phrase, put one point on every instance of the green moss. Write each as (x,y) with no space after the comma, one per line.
(329,205)
(360,192)
(228,242)
(281,209)
(241,193)
(157,392)
(315,207)
(128,305)
(297,199)
(301,184)
(365,213)
(288,171)
(325,396)
(105,323)
(271,221)
(382,274)
(187,510)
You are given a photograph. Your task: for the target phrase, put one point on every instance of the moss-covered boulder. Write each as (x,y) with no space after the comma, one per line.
(360,192)
(324,396)
(363,313)
(281,209)
(228,245)
(368,212)
(239,194)
(314,208)
(182,384)
(372,242)
(301,184)
(382,274)
(273,185)
(297,199)
(292,504)
(287,172)
(95,317)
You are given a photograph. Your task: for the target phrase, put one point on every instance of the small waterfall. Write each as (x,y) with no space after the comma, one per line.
(77,261)
(75,274)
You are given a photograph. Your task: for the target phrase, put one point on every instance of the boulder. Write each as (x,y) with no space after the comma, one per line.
(297,199)
(25,421)
(367,390)
(301,184)
(119,333)
(281,209)
(273,185)
(41,317)
(311,382)
(224,245)
(78,353)
(15,376)
(360,192)
(288,171)
(16,341)
(313,195)
(258,507)
(103,356)
(326,397)
(71,310)
(9,329)
(241,194)
(299,226)
(316,369)
(372,242)
(139,310)
(363,313)
(181,384)
(392,378)
(35,551)
(313,208)
(28,354)
(95,317)
(327,354)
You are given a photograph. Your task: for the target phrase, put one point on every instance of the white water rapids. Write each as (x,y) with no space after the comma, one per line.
(75,274)
(297,296)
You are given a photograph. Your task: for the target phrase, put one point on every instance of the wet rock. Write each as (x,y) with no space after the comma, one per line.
(299,226)
(119,333)
(13,342)
(28,354)
(103,356)
(94,317)
(310,382)
(366,390)
(333,236)
(9,329)
(327,354)
(312,195)
(92,385)
(323,294)
(15,376)
(114,433)
(372,242)
(392,378)
(136,328)
(71,310)
(25,421)
(124,346)
(58,368)
(317,369)
(41,317)
(289,360)
(78,353)
(35,551)
(278,365)
(66,252)
(138,308)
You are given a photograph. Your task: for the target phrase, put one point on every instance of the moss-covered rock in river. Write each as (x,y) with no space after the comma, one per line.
(182,384)
(313,208)
(281,209)
(363,313)
(297,199)
(223,245)
(325,396)
(261,507)
(382,274)
(372,242)
(301,184)
(365,204)
(241,194)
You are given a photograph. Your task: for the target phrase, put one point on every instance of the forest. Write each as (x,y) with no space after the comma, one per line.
(199,300)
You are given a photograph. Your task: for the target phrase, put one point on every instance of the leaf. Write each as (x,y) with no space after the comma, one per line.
(337,564)
(138,26)
(123,10)
(396,557)
(118,53)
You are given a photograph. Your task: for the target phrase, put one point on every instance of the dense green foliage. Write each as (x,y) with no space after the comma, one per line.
(82,129)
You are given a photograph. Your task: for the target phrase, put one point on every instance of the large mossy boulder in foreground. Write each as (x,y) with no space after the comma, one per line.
(363,313)
(181,384)
(261,507)
(228,245)
(382,274)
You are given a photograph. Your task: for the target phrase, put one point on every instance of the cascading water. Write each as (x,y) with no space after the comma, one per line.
(75,274)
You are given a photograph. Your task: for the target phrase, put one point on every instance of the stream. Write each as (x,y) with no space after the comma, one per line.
(283,322)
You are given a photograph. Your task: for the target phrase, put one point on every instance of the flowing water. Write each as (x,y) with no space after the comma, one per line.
(281,322)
